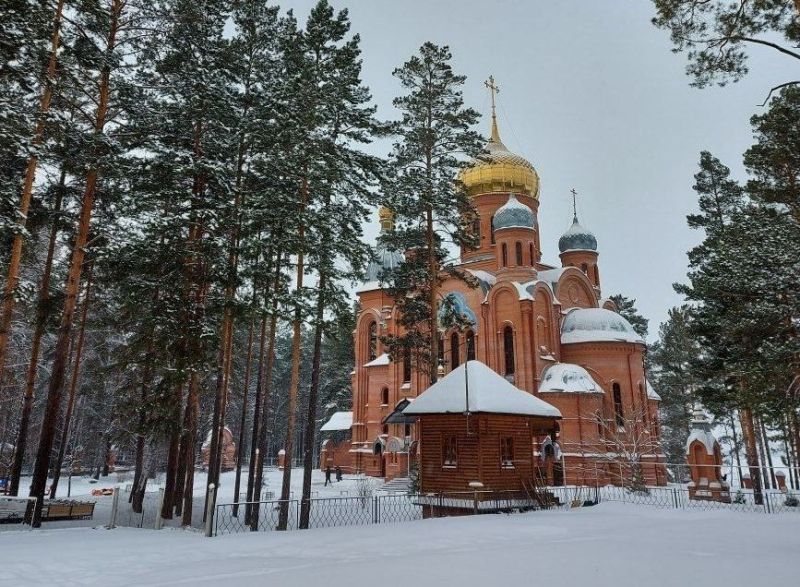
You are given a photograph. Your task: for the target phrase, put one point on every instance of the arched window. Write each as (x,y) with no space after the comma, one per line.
(455,357)
(518,251)
(440,350)
(406,365)
(508,349)
(491,228)
(373,341)
(530,253)
(505,255)
(585,269)
(618,413)
(385,396)
(470,345)
(476,230)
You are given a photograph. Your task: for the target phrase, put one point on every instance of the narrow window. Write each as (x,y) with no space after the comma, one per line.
(455,355)
(505,255)
(508,349)
(507,452)
(585,269)
(406,365)
(385,396)
(518,251)
(618,413)
(491,228)
(596,274)
(407,430)
(470,345)
(373,341)
(476,230)
(449,453)
(386,429)
(440,350)
(530,253)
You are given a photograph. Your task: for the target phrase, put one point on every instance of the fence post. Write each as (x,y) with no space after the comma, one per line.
(212,502)
(112,523)
(159,520)
(766,502)
(375,514)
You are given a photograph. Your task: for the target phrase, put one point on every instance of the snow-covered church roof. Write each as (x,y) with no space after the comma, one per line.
(489,392)
(338,421)
(651,392)
(597,325)
(568,378)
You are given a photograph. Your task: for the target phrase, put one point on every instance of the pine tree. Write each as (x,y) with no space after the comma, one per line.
(627,309)
(716,35)
(670,362)
(432,209)
(340,180)
(774,160)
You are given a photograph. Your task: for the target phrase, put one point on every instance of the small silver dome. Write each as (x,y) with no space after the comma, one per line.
(577,238)
(513,214)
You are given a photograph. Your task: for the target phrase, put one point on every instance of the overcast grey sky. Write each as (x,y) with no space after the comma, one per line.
(592,95)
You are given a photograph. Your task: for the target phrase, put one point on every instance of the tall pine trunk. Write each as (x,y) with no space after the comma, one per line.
(294,382)
(243,418)
(313,394)
(751,452)
(59,367)
(192,409)
(73,384)
(768,452)
(259,450)
(15,258)
(42,313)
(173,454)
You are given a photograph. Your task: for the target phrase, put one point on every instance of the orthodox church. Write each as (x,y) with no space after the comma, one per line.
(545,328)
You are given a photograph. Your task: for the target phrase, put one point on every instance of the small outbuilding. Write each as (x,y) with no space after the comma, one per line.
(704,457)
(335,448)
(476,436)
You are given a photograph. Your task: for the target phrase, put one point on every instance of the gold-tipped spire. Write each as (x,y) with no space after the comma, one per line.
(498,170)
(494,89)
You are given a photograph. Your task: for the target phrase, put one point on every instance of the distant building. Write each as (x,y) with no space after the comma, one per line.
(228,450)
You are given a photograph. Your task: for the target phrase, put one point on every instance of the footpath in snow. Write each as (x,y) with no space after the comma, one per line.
(611,544)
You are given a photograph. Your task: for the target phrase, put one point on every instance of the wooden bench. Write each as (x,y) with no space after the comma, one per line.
(67,510)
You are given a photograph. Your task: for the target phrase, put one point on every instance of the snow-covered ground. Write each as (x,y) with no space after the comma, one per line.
(610,544)
(82,488)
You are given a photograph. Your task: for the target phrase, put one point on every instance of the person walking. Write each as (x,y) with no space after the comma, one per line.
(327,475)
(338,473)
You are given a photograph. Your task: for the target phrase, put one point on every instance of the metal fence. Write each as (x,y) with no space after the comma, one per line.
(391,508)
(770,502)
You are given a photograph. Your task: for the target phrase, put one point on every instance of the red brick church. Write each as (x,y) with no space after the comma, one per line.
(546,328)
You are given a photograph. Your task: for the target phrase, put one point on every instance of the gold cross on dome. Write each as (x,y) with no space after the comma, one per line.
(494,89)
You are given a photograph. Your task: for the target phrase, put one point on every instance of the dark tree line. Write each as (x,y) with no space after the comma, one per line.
(181,202)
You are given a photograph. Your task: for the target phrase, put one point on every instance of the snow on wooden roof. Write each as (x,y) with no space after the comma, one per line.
(338,421)
(489,392)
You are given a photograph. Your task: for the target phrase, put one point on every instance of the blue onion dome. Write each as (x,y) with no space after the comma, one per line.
(513,214)
(577,238)
(383,258)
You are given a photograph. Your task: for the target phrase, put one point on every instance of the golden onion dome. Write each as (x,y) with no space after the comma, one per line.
(500,170)
(386,218)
